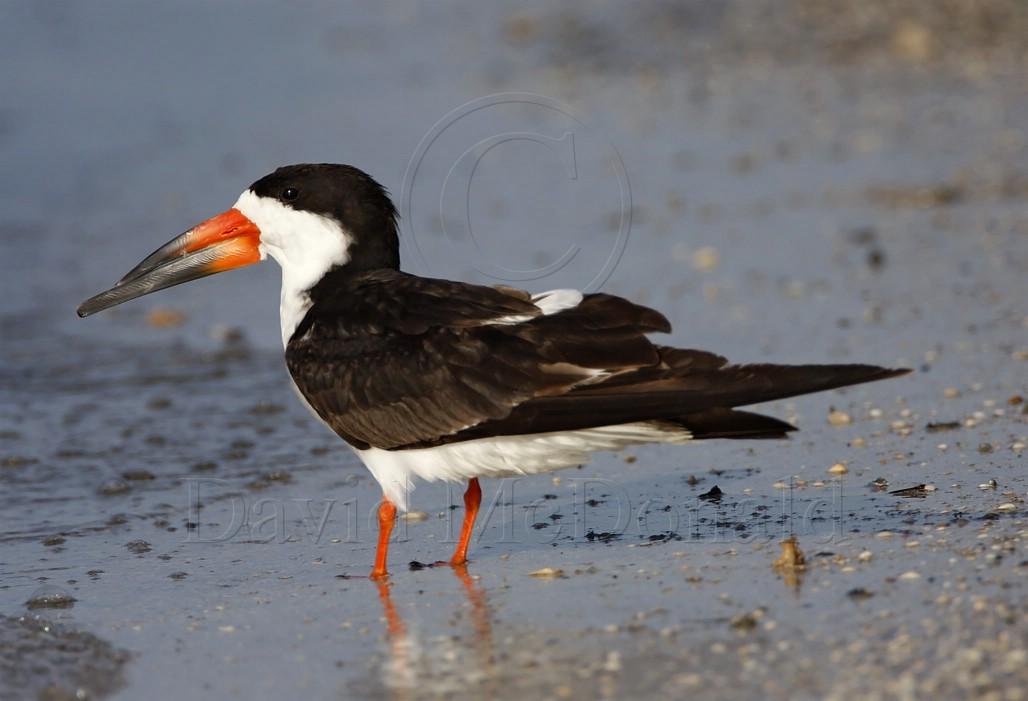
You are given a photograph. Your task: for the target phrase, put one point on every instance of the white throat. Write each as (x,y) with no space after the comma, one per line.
(306,245)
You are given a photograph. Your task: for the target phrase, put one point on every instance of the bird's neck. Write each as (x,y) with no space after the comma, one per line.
(335,295)
(294,303)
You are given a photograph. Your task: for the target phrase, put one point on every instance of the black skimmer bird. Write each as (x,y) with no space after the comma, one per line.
(444,380)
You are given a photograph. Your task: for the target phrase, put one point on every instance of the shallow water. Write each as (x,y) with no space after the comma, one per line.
(156,468)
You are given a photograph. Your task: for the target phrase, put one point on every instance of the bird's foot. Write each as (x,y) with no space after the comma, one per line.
(415,565)
(374,576)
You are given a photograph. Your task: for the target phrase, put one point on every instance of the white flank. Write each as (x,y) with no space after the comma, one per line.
(306,245)
(557,300)
(505,456)
(548,302)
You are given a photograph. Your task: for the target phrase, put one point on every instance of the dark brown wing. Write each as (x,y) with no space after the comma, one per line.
(395,361)
(694,389)
(391,360)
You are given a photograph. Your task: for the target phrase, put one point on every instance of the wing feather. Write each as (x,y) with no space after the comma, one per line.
(394,361)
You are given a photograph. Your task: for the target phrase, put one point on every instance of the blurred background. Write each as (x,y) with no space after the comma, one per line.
(789,181)
(740,124)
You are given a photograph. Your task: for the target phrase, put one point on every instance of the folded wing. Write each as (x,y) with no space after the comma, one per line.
(395,361)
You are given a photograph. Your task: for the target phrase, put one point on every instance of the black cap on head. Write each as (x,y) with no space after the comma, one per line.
(351,197)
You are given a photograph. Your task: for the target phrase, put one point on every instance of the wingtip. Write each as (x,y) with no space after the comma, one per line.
(873,373)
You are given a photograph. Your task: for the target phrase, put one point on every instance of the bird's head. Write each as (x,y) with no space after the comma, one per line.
(311,218)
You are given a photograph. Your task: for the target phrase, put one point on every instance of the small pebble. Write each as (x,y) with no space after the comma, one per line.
(909,576)
(1006,507)
(951,393)
(746,621)
(859,594)
(838,469)
(50,596)
(164,318)
(839,418)
(865,556)
(792,557)
(114,487)
(705,259)
(415,516)
(547,573)
(138,475)
(613,662)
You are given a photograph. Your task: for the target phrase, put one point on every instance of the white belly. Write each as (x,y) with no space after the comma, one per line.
(504,456)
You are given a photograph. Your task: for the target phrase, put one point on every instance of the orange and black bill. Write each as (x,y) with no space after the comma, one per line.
(226,241)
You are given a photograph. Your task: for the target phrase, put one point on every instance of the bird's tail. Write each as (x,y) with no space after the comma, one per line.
(732,423)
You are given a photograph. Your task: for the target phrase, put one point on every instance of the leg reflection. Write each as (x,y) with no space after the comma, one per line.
(416,665)
(481,615)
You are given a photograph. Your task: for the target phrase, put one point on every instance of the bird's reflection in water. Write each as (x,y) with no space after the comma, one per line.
(444,665)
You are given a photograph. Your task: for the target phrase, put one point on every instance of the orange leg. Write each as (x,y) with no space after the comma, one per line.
(472,499)
(386,517)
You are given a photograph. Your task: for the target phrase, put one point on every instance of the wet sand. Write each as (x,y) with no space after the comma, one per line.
(806,185)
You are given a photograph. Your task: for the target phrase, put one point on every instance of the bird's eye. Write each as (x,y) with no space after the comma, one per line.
(290,194)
